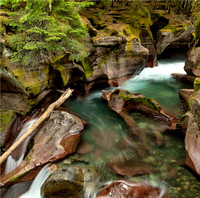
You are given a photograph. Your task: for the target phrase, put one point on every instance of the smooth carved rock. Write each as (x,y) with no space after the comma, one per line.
(192,144)
(184,78)
(185,95)
(58,138)
(123,102)
(194,102)
(165,38)
(68,182)
(118,62)
(14,101)
(128,189)
(109,41)
(192,64)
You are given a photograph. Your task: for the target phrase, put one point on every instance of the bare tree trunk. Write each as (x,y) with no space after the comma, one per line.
(57,103)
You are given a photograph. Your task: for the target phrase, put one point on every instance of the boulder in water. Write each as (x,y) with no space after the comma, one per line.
(69,182)
(123,102)
(127,189)
(58,137)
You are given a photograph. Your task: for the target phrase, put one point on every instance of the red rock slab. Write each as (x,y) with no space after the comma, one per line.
(58,138)
(129,189)
(184,78)
(192,144)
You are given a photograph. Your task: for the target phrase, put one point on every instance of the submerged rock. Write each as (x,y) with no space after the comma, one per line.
(57,138)
(129,165)
(128,189)
(69,182)
(123,102)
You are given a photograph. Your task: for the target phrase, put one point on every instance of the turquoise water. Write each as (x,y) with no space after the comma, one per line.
(106,129)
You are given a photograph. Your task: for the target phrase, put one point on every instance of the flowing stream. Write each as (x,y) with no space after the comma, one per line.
(34,191)
(17,156)
(105,131)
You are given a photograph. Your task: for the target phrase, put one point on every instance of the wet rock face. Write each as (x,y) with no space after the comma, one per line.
(190,125)
(166,38)
(123,102)
(185,95)
(127,189)
(192,63)
(192,144)
(57,138)
(68,182)
(184,78)
(116,58)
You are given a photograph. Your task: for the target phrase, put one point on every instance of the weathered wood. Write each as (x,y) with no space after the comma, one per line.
(51,107)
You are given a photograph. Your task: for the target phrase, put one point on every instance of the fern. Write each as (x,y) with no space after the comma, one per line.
(50,27)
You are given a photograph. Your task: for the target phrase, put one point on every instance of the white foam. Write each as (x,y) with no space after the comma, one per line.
(11,162)
(34,191)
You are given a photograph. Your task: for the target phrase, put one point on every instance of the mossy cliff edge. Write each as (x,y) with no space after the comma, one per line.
(119,39)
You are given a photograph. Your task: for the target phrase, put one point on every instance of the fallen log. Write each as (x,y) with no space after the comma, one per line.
(51,107)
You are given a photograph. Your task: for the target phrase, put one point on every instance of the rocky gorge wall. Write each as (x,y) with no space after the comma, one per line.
(121,41)
(189,123)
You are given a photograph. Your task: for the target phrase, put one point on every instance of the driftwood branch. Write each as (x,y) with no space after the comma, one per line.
(51,107)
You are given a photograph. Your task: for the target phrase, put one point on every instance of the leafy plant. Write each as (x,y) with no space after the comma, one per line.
(49,28)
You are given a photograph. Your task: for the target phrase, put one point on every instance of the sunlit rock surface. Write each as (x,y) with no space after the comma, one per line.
(57,138)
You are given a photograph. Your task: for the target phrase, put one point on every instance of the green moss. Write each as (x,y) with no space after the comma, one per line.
(125,96)
(31,82)
(129,49)
(18,73)
(87,68)
(149,102)
(5,118)
(105,58)
(197,84)
(138,16)
(13,179)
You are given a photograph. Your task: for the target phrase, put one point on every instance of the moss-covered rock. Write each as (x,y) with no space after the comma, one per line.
(197,84)
(6,117)
(68,182)
(124,103)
